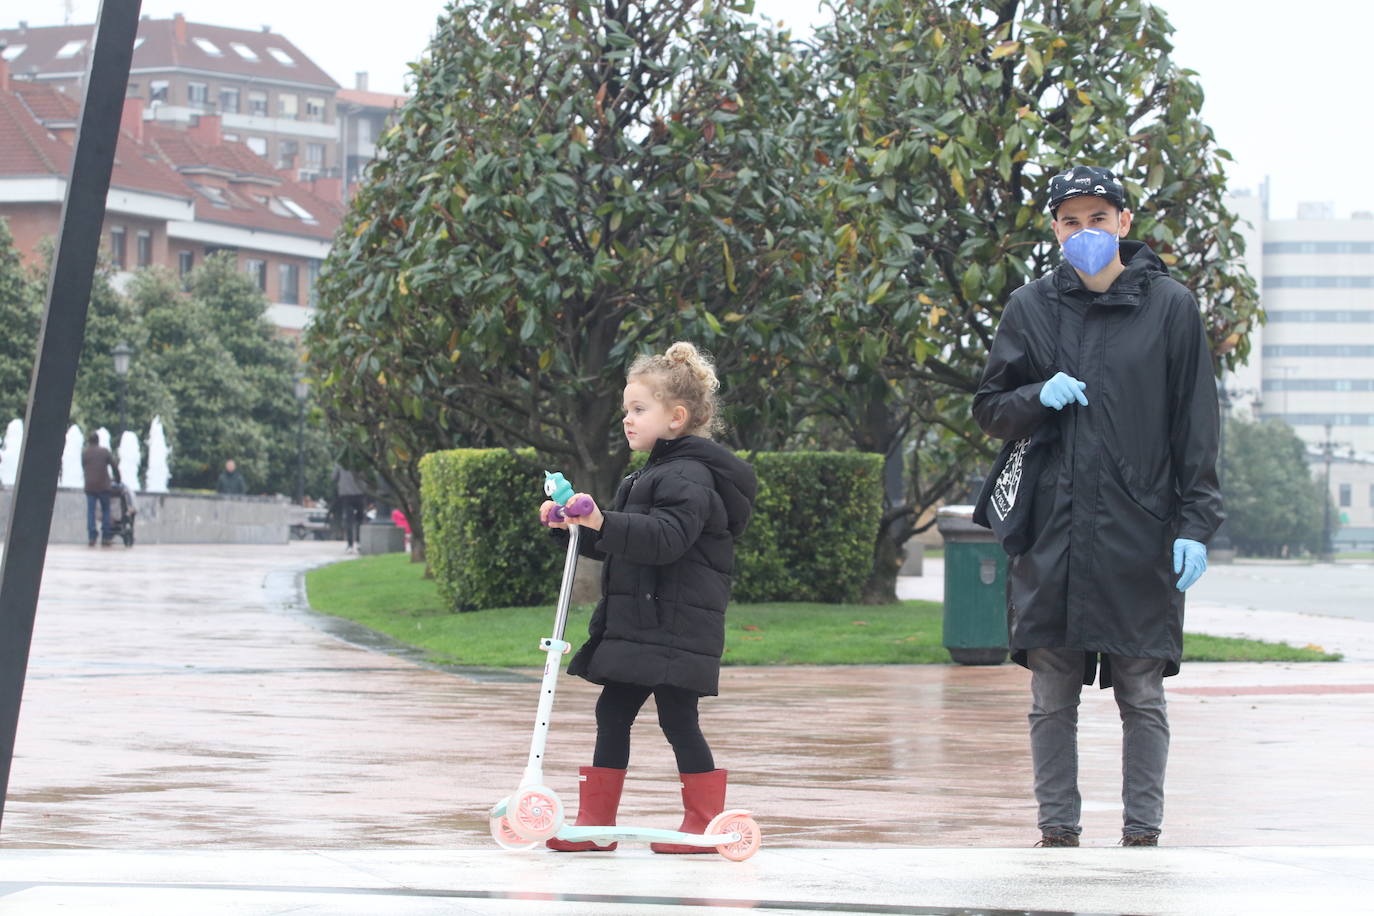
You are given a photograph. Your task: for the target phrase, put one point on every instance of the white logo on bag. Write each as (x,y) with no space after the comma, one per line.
(1009,481)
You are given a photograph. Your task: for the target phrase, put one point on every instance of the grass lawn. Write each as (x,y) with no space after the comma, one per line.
(387,593)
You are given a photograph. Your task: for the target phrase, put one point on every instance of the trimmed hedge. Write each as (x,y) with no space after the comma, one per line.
(811,538)
(483,539)
(814,528)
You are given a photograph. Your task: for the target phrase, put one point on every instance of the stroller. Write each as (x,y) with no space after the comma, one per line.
(122,521)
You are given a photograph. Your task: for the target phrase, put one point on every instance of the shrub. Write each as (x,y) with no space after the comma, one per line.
(815,521)
(485,544)
(811,537)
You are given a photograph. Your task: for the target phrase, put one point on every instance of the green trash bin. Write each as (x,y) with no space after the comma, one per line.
(975,627)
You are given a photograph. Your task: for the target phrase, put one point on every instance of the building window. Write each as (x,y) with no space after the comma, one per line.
(198,95)
(257,102)
(314,108)
(229,138)
(208,46)
(71,49)
(1371,496)
(228,100)
(288,105)
(286,154)
(186,262)
(145,249)
(312,296)
(281,57)
(257,145)
(289,276)
(159,91)
(242,50)
(314,155)
(117,251)
(1345,495)
(257,269)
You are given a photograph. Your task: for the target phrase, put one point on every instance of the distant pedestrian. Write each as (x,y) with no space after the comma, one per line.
(231,482)
(669,549)
(1105,361)
(100,472)
(351,498)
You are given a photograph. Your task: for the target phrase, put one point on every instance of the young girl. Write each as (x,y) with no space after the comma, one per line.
(669,552)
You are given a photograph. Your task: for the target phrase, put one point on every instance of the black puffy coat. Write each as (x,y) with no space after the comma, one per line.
(1126,475)
(669,551)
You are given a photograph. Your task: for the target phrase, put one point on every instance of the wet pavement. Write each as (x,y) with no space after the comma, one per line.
(189,729)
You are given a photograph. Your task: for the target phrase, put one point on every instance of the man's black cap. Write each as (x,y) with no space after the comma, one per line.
(1086,181)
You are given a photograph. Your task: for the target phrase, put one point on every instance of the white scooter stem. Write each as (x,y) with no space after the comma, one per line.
(556,647)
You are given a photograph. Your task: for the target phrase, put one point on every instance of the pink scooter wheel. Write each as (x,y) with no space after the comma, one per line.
(535,813)
(505,837)
(736,821)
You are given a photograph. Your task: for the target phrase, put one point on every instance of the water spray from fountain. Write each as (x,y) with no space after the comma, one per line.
(9,452)
(158,454)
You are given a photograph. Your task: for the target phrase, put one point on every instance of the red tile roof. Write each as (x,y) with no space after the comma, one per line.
(160,49)
(46,103)
(367,99)
(28,149)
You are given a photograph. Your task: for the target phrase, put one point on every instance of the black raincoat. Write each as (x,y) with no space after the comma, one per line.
(669,551)
(1126,475)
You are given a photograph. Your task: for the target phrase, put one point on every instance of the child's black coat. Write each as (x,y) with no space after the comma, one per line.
(669,552)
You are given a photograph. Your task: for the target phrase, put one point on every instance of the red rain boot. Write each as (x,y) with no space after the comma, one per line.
(703,797)
(598,798)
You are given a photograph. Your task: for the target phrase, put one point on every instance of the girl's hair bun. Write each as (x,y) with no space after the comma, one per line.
(685,376)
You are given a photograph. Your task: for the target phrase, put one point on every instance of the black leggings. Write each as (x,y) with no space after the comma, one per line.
(677,716)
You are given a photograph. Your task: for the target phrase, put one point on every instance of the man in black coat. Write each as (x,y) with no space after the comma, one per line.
(1111,352)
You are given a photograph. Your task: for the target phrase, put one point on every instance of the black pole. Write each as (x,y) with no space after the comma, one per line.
(300,454)
(1327,553)
(59,349)
(123,413)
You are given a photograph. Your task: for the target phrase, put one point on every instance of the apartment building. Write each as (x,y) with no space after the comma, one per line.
(1312,364)
(177,195)
(363,117)
(269,95)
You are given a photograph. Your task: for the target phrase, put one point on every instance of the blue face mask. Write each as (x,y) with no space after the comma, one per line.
(1090,250)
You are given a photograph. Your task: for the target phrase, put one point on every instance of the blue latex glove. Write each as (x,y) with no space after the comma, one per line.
(1190,558)
(1061,389)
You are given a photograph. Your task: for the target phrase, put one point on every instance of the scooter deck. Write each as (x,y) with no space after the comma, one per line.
(631,834)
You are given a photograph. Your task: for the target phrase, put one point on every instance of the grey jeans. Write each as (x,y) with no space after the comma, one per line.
(1138,683)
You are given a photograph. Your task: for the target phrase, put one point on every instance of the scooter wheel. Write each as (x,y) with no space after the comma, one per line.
(505,837)
(736,821)
(535,813)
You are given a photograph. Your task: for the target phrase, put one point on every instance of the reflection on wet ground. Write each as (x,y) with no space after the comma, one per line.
(174,702)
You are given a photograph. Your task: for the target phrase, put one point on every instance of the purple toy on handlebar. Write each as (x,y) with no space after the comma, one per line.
(557,488)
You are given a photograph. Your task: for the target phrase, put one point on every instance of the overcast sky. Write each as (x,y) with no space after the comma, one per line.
(1286,92)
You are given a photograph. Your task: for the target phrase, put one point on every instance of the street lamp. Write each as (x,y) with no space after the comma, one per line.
(302,392)
(121,353)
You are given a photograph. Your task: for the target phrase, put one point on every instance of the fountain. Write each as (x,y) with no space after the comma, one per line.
(158,453)
(128,459)
(103,435)
(72,474)
(9,452)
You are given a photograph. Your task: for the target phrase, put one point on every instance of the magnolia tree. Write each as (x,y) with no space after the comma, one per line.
(569,186)
(948,118)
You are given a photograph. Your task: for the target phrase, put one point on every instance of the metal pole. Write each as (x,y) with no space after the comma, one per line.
(1327,554)
(123,405)
(59,349)
(300,454)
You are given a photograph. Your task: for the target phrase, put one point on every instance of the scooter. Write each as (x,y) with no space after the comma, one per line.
(534,812)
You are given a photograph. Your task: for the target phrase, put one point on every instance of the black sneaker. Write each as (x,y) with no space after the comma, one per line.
(1140,839)
(1058,838)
